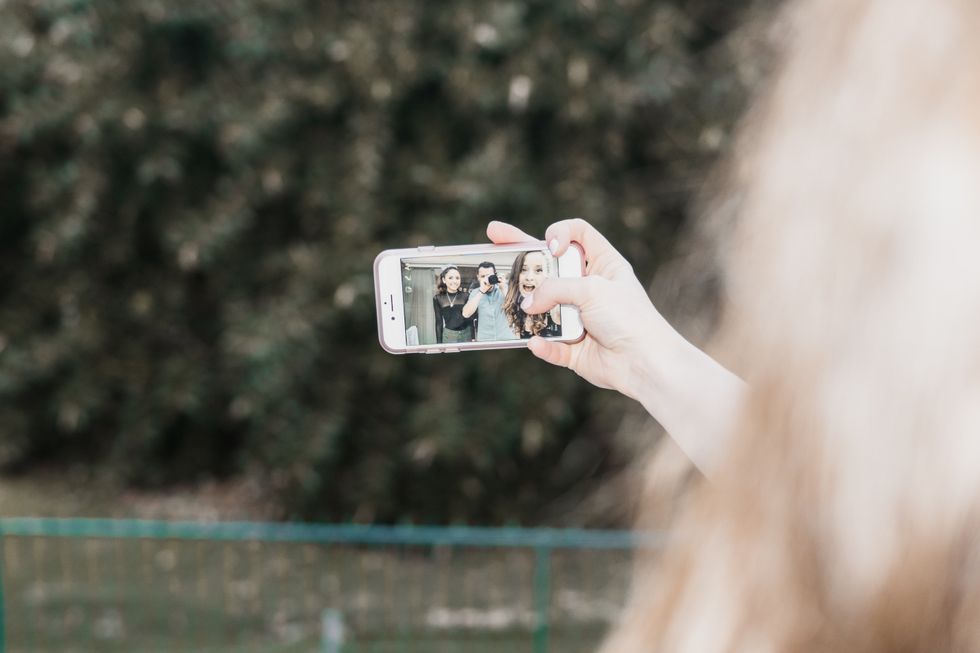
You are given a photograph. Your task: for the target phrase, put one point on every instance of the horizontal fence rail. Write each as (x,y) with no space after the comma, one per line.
(330,533)
(123,585)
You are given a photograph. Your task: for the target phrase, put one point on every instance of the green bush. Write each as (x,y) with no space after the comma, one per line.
(191,196)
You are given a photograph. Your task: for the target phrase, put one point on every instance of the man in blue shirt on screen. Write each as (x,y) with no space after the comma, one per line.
(488,300)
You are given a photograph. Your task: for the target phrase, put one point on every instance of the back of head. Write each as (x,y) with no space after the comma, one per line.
(847,514)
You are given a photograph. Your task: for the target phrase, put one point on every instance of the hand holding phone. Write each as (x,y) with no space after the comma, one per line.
(622,327)
(449,299)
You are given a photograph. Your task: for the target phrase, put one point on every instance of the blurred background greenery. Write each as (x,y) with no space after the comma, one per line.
(192,194)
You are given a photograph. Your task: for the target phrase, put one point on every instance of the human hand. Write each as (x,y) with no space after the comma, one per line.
(623,329)
(483,275)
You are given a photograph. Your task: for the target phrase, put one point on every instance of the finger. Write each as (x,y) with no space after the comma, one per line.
(577,291)
(502,233)
(576,230)
(563,233)
(556,353)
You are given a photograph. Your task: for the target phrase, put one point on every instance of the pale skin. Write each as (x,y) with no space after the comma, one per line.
(452,280)
(629,346)
(532,274)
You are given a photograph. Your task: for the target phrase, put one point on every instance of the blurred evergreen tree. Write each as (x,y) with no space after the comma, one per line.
(191,195)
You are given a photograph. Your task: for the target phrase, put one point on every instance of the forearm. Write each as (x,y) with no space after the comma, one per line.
(472,304)
(692,396)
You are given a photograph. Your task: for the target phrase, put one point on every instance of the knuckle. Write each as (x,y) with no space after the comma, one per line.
(593,284)
(597,287)
(557,230)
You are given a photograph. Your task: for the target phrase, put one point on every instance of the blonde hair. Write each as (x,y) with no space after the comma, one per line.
(846,515)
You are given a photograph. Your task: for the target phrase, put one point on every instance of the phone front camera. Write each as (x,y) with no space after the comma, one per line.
(393,317)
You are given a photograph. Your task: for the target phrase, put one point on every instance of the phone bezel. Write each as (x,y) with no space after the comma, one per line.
(389,297)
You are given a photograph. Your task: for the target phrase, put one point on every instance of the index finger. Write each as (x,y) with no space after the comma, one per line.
(563,233)
(502,233)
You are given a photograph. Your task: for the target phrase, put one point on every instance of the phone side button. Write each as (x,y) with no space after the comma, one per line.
(433,351)
(452,350)
(426,248)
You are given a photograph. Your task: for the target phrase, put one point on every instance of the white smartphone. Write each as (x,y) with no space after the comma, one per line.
(450,299)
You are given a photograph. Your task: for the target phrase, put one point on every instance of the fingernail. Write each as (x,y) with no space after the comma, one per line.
(553,246)
(526,304)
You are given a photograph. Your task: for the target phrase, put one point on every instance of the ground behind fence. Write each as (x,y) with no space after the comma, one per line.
(129,585)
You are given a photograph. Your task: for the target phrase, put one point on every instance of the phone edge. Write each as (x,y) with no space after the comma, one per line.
(377,302)
(451,249)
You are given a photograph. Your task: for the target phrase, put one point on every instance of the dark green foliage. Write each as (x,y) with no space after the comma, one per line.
(192,193)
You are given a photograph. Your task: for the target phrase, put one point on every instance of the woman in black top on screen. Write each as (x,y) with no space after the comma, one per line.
(448,304)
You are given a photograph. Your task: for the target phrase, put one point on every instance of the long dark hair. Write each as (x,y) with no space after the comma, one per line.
(512,302)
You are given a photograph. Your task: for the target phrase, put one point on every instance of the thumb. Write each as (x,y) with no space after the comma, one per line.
(556,353)
(560,291)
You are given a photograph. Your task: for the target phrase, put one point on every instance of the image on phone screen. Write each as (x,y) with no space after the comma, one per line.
(476,297)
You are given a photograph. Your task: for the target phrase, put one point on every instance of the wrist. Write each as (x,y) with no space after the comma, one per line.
(657,363)
(690,394)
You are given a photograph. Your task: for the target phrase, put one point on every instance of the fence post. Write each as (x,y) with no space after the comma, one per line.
(332,631)
(542,598)
(3,606)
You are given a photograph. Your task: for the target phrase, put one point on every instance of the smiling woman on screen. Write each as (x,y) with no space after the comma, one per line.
(448,304)
(529,269)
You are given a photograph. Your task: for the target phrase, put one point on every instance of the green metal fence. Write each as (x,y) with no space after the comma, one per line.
(126,585)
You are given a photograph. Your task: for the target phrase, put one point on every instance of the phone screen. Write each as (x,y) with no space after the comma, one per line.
(460,298)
